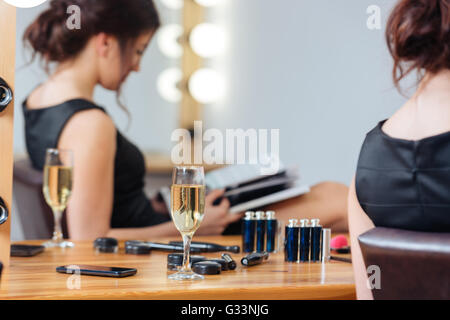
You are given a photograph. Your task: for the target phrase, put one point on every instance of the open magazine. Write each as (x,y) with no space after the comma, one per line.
(247,189)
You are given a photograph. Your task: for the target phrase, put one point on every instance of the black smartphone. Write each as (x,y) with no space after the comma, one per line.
(97,271)
(21,250)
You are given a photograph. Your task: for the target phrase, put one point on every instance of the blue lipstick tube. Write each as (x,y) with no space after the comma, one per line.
(272,230)
(291,241)
(260,231)
(305,236)
(249,232)
(316,232)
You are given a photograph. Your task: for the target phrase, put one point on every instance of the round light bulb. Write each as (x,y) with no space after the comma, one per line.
(173,4)
(167,84)
(208,3)
(207,40)
(206,86)
(25,3)
(168,40)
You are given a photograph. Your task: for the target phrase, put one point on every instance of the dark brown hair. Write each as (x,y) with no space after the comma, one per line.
(50,38)
(418,37)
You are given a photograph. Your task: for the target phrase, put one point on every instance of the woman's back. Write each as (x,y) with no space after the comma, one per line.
(426,114)
(58,126)
(403,175)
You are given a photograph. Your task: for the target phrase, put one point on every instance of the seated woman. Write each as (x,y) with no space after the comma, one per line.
(108,196)
(403,175)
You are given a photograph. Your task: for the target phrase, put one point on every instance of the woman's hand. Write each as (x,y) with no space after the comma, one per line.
(159,206)
(216,218)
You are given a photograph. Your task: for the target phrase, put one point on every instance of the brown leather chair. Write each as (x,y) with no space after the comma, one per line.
(35,215)
(413,265)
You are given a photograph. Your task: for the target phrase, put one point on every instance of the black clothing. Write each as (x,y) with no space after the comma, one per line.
(131,208)
(405,184)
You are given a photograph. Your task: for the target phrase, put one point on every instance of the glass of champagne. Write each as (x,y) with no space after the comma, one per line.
(187,209)
(57,188)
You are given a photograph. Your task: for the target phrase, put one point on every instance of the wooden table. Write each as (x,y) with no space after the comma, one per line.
(36,278)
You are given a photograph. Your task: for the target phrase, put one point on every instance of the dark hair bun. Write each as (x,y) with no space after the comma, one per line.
(418,36)
(46,34)
(50,37)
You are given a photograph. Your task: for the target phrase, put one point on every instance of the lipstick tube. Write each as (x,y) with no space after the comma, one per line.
(248,232)
(326,245)
(260,231)
(272,230)
(291,241)
(316,233)
(254,258)
(305,236)
(231,263)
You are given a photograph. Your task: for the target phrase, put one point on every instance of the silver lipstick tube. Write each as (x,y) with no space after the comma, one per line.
(326,244)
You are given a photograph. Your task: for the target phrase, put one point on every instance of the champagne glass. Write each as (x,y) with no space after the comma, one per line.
(187,209)
(57,189)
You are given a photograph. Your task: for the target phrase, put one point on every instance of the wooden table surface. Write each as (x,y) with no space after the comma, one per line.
(36,278)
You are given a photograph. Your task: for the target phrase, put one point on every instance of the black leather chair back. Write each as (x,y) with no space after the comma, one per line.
(413,265)
(35,215)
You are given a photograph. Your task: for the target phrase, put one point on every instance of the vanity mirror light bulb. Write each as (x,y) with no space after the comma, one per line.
(206,86)
(167,84)
(167,40)
(209,3)
(207,40)
(173,4)
(25,3)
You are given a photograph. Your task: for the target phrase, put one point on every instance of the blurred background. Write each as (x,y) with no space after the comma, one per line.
(312,69)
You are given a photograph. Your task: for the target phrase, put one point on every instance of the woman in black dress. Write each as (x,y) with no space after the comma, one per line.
(403,175)
(108,193)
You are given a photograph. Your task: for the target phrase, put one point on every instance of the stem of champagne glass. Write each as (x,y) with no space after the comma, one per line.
(57,233)
(187,249)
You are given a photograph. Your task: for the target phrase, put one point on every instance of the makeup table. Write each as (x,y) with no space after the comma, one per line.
(36,278)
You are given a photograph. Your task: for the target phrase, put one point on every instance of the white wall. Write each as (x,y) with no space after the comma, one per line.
(311,68)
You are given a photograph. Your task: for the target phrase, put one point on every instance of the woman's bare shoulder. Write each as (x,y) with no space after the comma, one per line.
(396,125)
(413,123)
(92,126)
(52,94)
(94,118)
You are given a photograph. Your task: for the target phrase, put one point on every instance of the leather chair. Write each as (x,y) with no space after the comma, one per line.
(35,215)
(413,265)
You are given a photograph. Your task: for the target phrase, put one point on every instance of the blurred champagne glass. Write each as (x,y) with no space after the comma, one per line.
(57,189)
(187,209)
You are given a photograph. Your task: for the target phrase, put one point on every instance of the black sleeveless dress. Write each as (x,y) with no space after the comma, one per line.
(131,207)
(405,184)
